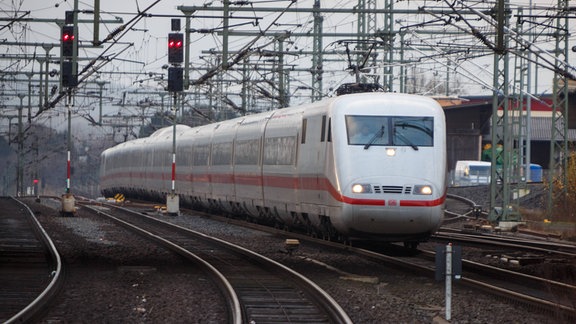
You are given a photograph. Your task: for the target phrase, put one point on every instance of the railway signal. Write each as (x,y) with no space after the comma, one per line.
(175,86)
(175,80)
(68,66)
(69,74)
(175,48)
(67,41)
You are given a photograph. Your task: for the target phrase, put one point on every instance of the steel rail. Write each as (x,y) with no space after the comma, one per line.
(34,308)
(429,270)
(234,309)
(327,303)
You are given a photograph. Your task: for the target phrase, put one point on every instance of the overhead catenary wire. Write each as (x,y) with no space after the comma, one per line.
(554,61)
(473,77)
(90,66)
(241,53)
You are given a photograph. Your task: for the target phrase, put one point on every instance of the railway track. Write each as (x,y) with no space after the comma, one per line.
(31,271)
(514,241)
(459,208)
(257,289)
(549,296)
(514,250)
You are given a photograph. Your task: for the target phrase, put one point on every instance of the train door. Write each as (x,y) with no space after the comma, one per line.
(327,163)
(184,183)
(221,167)
(312,191)
(248,164)
(200,172)
(280,153)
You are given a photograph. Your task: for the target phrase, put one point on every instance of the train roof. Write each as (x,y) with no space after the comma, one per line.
(165,133)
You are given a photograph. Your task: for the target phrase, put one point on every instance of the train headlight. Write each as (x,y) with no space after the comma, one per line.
(422,190)
(361,188)
(390,151)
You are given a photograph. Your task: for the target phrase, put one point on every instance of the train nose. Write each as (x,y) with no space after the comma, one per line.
(389,206)
(396,219)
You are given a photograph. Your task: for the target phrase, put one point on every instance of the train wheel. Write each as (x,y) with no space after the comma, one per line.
(344,240)
(327,230)
(411,244)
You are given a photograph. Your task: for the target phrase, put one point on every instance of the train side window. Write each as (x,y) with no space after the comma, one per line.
(201,154)
(280,150)
(222,153)
(247,152)
(304,123)
(329,138)
(323,134)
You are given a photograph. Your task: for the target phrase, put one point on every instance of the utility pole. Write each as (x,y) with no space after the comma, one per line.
(20,172)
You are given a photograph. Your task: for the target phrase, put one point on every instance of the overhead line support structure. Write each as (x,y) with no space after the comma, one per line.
(388,35)
(317,68)
(558,169)
(60,22)
(504,158)
(522,112)
(362,30)
(366,11)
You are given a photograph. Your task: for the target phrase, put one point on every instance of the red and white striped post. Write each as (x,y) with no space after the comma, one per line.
(68,203)
(172,199)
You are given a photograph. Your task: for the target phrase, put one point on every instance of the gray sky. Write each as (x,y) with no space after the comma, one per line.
(142,61)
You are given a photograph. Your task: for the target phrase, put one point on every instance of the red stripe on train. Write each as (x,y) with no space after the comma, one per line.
(288,182)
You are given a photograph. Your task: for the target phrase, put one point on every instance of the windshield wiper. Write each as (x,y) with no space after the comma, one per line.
(378,134)
(424,129)
(407,141)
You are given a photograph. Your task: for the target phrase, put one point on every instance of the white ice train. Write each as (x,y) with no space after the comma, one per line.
(368,166)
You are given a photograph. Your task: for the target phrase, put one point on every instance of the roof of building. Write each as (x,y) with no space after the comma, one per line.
(541,120)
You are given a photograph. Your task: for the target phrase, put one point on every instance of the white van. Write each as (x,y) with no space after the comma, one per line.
(470,173)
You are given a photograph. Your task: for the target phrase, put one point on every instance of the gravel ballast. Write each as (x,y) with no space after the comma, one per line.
(127,279)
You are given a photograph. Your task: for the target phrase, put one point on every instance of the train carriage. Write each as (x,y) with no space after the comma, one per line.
(368,166)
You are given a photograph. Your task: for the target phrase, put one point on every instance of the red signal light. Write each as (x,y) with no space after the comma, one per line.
(175,48)
(67,43)
(174,43)
(67,37)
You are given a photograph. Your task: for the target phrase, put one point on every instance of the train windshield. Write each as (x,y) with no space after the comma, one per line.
(390,131)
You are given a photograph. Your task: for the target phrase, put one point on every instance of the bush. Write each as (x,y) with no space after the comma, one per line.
(562,217)
(564,204)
